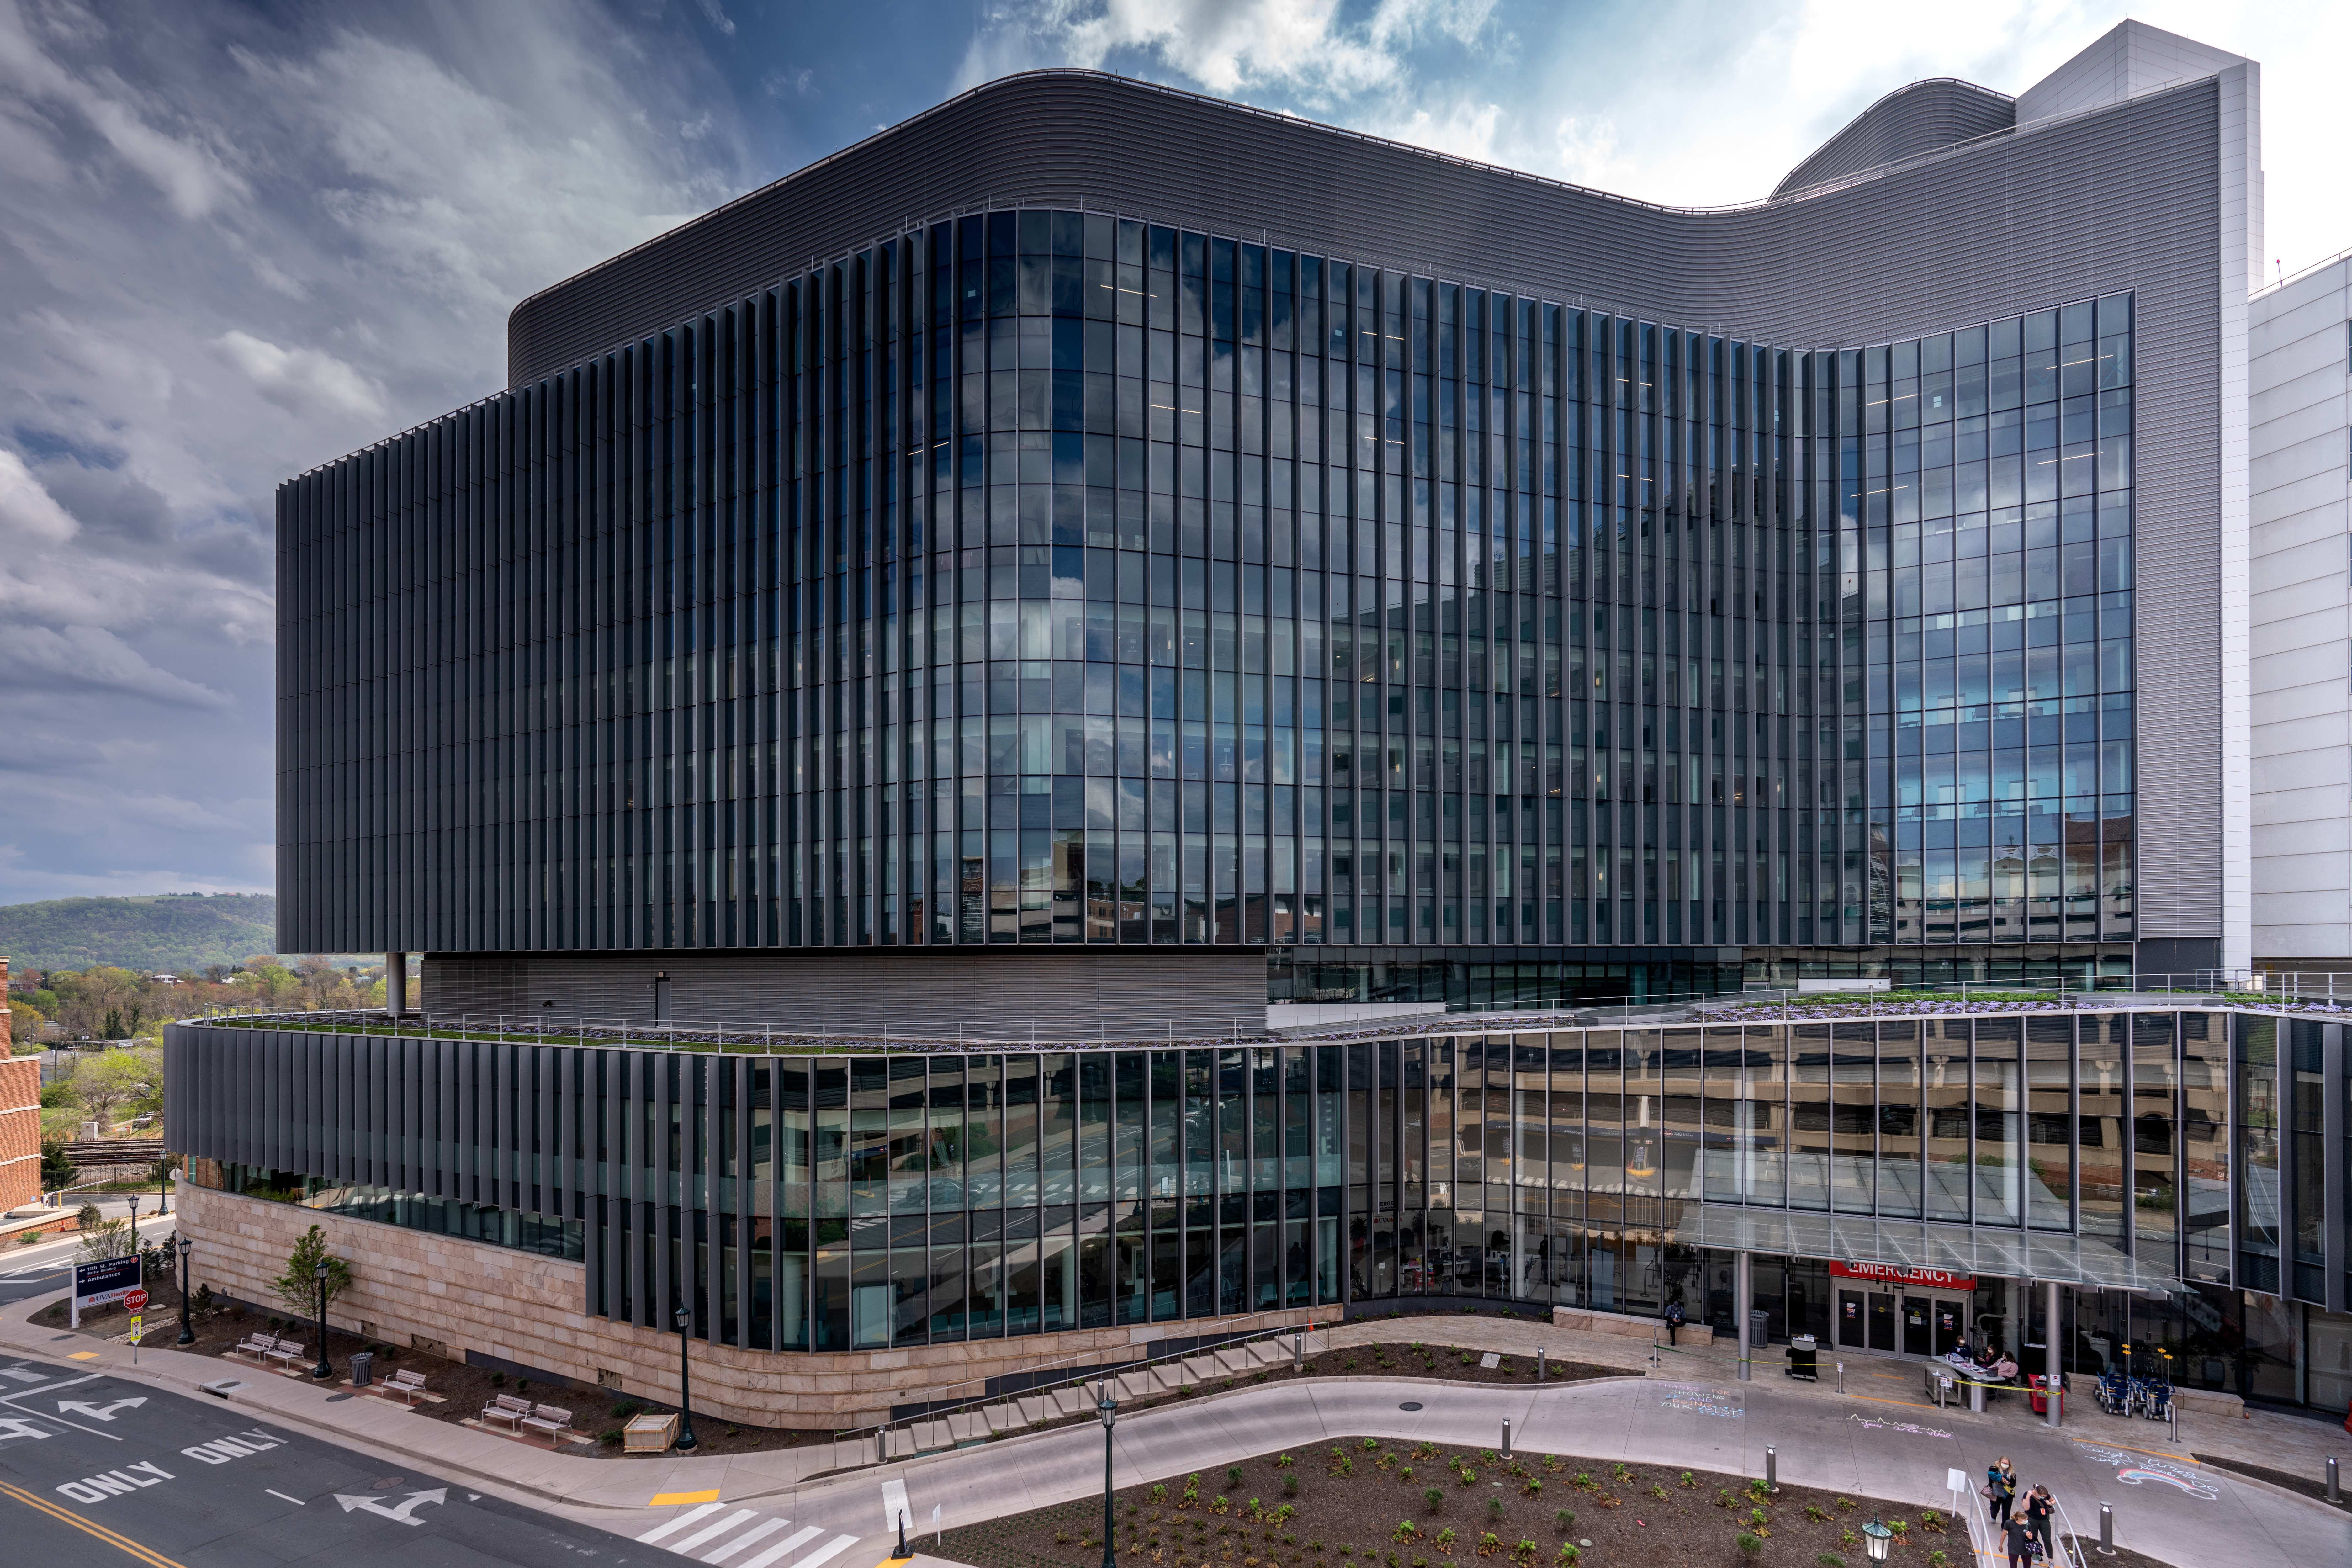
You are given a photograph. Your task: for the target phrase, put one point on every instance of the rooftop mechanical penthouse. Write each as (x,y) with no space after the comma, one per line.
(1091,565)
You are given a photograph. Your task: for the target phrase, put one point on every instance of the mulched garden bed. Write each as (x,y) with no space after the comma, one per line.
(1366,1501)
(464,1389)
(1416,1359)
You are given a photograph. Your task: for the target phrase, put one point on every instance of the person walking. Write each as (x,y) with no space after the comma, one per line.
(2038,1511)
(2019,1537)
(2000,1489)
(1674,1318)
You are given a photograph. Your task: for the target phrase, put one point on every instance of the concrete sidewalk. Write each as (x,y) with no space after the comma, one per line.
(1881,1438)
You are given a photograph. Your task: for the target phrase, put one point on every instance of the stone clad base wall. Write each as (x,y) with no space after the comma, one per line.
(450,1296)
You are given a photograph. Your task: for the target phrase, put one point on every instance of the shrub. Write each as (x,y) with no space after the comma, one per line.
(1346,1550)
(1816,1512)
(1371,1444)
(1406,1532)
(1657,1491)
(1929,1519)
(1160,1491)
(1434,1498)
(610,1437)
(1233,1475)
(1218,1505)
(1940,1558)
(1751,1546)
(1845,1504)
(1192,1488)
(1756,1517)
(1493,1507)
(1283,1461)
(1565,1519)
(1829,1560)
(1756,1488)
(1534,1487)
(1624,1476)
(1525,1551)
(1567,1554)
(1290,1486)
(498,1380)
(1489,1543)
(1689,1479)
(1445,1538)
(1404,1474)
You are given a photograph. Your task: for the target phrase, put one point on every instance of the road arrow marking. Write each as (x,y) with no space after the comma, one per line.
(402,1513)
(11,1428)
(100,1412)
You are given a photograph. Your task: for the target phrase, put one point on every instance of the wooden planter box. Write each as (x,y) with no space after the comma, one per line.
(649,1434)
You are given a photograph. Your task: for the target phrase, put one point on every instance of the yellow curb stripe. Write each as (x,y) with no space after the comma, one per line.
(663,1499)
(90,1527)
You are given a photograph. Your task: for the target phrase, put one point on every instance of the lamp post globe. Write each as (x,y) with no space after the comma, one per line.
(1876,1540)
(1107,1408)
(182,1246)
(325,1369)
(686,1439)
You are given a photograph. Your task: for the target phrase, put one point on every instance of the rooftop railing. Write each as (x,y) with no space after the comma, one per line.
(2319,991)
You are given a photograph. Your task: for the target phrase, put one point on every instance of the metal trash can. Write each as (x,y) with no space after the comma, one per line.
(1976,1396)
(1757,1336)
(1804,1358)
(363,1368)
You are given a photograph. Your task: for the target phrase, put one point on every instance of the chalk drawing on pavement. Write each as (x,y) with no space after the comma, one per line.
(1914,1430)
(1718,1403)
(2139,1469)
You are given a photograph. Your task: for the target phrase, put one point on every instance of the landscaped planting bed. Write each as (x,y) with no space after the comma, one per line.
(1368,1501)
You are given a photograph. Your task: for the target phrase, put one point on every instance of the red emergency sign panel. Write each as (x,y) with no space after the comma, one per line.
(1896,1274)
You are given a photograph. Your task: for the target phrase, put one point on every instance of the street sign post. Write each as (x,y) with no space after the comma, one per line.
(108,1280)
(138,1327)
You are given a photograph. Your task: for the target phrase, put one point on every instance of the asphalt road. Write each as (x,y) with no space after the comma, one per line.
(94,1470)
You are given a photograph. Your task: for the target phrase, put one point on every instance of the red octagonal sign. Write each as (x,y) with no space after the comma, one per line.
(135,1302)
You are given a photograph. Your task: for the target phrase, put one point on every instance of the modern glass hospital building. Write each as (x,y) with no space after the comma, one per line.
(936,680)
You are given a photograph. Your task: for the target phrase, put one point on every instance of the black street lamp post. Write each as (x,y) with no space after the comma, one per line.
(183,1246)
(1107,1409)
(325,1369)
(686,1443)
(134,1222)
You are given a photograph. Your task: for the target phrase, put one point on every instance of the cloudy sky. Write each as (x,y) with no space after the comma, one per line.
(238,240)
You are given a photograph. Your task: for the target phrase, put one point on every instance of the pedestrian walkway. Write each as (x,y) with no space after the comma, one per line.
(1879,1438)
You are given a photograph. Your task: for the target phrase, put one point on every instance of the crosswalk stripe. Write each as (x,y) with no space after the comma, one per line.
(781,1548)
(756,1532)
(720,1527)
(833,1549)
(679,1522)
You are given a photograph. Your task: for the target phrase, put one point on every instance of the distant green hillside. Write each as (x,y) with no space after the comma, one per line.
(163,933)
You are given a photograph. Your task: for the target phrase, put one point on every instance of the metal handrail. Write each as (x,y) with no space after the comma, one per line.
(1097,1371)
(2282,992)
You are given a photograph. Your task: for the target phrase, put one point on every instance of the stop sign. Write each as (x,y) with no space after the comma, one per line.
(135,1302)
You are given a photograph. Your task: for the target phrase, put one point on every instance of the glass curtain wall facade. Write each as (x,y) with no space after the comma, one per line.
(846,1202)
(1049,577)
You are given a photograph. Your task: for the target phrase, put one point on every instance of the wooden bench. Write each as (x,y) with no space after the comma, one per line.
(556,1423)
(408,1383)
(507,1410)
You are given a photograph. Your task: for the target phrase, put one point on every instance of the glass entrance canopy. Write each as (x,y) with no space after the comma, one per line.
(1963,1250)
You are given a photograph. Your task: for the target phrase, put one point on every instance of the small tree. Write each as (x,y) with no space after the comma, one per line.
(107,1238)
(298,1286)
(57,1173)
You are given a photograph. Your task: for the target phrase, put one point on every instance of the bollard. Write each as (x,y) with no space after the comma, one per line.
(1539,1363)
(2335,1492)
(2056,1393)
(1298,1352)
(2107,1530)
(1772,1469)
(1840,1366)
(881,1445)
(1506,1437)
